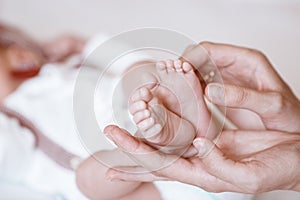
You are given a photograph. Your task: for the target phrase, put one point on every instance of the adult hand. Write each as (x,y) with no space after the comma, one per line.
(242,161)
(250,82)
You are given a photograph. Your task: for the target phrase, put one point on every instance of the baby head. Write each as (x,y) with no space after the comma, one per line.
(19,54)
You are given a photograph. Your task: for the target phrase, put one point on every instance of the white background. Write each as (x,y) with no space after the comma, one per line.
(272,26)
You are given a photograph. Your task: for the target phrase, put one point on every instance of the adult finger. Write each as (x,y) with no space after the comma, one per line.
(141,153)
(183,170)
(132,173)
(222,167)
(263,103)
(224,55)
(138,151)
(189,174)
(195,55)
(243,143)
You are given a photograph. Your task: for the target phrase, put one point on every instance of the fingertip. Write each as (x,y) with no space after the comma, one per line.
(120,137)
(108,129)
(200,145)
(190,152)
(215,92)
(211,156)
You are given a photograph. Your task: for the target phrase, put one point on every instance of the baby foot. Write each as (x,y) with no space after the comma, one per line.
(180,90)
(157,125)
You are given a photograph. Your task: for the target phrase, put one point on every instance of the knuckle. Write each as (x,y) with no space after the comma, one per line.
(257,54)
(241,96)
(278,102)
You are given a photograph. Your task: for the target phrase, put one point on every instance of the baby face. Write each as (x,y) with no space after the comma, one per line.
(21,55)
(22,61)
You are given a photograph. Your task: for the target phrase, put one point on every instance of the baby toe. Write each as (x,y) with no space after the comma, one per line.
(137,106)
(187,67)
(141,115)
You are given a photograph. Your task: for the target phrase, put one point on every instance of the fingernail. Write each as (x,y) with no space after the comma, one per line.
(108,136)
(199,144)
(112,176)
(215,91)
(110,139)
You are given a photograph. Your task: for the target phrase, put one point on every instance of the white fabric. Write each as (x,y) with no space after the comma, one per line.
(172,190)
(47,101)
(15,191)
(16,149)
(93,55)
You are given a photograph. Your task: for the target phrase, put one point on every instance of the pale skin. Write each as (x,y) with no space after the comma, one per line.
(241,161)
(162,99)
(163,110)
(252,83)
(92,182)
(232,165)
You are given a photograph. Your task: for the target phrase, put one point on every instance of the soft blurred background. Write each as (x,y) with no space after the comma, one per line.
(273,26)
